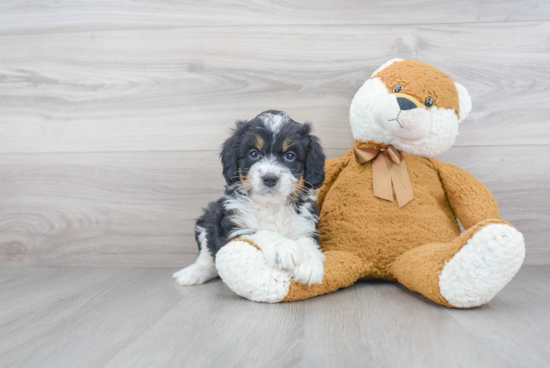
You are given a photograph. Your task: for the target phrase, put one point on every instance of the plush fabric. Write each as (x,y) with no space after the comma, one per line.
(419,269)
(354,220)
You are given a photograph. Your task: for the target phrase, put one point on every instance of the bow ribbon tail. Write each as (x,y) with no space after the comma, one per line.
(401,183)
(381,178)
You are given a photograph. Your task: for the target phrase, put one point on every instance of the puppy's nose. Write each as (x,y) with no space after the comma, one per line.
(270,180)
(405,104)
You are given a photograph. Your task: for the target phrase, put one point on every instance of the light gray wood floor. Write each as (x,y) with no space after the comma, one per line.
(138,317)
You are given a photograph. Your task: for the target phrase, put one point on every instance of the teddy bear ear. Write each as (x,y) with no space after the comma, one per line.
(464,101)
(385,65)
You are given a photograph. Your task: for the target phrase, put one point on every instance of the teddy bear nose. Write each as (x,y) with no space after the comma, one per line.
(405,104)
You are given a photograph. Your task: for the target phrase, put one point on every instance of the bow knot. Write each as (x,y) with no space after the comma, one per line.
(388,167)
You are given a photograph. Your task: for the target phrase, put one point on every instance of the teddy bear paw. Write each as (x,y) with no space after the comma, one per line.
(483,266)
(245,270)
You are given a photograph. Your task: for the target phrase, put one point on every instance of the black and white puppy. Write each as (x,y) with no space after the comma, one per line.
(272,166)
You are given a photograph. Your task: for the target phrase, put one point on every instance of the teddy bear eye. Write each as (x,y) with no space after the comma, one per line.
(429,102)
(397,89)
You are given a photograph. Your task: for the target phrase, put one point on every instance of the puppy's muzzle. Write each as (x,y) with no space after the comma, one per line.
(270,180)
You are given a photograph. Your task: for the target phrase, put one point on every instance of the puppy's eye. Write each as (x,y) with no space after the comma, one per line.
(397,89)
(289,156)
(254,154)
(429,102)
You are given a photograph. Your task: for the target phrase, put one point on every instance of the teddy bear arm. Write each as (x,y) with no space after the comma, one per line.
(470,200)
(333,167)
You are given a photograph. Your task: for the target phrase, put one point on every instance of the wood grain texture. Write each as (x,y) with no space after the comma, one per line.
(76,209)
(134,317)
(68,16)
(181,88)
(139,208)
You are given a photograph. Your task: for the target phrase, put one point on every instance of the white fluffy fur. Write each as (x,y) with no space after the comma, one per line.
(284,234)
(277,194)
(464,101)
(311,270)
(483,266)
(274,122)
(245,270)
(252,216)
(204,268)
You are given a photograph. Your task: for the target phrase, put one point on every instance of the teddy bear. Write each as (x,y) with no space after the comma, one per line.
(390,211)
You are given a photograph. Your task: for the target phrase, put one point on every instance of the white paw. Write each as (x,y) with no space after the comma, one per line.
(310,272)
(483,266)
(285,255)
(195,275)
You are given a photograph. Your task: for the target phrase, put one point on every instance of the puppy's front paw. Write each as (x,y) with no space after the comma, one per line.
(195,275)
(310,272)
(284,256)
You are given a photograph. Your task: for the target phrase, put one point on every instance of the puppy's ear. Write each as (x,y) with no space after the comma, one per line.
(229,155)
(315,162)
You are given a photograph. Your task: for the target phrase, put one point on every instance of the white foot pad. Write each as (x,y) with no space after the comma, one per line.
(246,272)
(483,266)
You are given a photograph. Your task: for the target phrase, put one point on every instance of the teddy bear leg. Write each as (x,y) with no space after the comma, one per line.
(467,272)
(342,269)
(243,268)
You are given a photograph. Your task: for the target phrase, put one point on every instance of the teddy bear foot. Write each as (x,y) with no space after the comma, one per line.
(483,266)
(244,269)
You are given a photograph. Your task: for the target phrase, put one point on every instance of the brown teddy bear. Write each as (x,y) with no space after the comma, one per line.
(389,210)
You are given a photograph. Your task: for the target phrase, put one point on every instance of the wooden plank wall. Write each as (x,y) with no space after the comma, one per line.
(111,113)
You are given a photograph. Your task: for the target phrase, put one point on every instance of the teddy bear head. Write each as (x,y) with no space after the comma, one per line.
(411,105)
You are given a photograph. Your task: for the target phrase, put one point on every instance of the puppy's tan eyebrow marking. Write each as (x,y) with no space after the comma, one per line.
(244,181)
(258,142)
(287,144)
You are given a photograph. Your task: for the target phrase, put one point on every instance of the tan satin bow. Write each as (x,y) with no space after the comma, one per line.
(388,167)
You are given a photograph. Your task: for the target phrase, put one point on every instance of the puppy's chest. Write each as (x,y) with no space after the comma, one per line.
(282,219)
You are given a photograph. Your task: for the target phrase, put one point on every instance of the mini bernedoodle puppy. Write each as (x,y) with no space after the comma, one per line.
(272,166)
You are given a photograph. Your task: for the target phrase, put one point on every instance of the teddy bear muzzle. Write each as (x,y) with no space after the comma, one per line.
(402,116)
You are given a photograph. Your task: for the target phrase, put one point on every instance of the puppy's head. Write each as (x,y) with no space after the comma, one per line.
(273,158)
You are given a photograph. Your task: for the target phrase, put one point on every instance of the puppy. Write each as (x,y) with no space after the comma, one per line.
(272,166)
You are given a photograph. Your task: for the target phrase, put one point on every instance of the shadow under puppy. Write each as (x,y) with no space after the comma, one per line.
(272,166)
